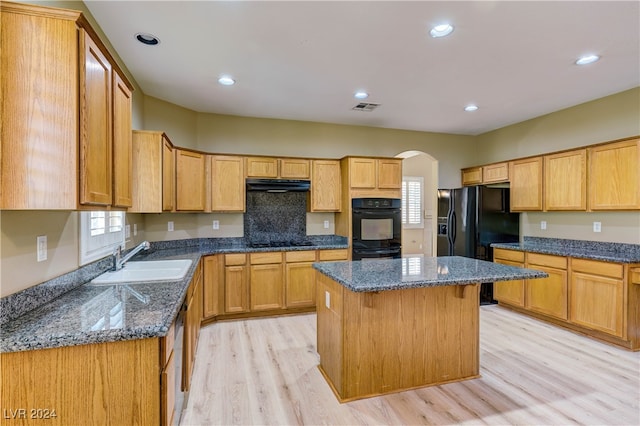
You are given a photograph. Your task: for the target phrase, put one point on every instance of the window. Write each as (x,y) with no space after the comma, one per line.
(412,201)
(100,233)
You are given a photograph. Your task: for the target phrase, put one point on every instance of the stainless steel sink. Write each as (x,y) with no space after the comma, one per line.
(153,270)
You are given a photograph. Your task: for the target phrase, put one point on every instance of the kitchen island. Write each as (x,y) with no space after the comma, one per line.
(395,324)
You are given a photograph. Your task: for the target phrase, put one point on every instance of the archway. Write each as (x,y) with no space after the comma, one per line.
(422,240)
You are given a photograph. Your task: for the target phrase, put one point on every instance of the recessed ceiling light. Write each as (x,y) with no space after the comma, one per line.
(225,80)
(441,30)
(361,95)
(148,39)
(471,107)
(587,59)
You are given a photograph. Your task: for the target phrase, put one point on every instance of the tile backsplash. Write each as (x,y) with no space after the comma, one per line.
(275,216)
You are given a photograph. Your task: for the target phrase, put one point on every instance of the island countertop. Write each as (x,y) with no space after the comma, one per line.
(411,272)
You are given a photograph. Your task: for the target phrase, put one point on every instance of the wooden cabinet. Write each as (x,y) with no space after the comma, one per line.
(300,282)
(471,176)
(153,173)
(362,173)
(190,180)
(526,184)
(549,295)
(495,173)
(373,177)
(122,144)
(62,95)
(332,255)
(236,283)
(266,281)
(565,181)
(168,377)
(509,292)
(614,176)
(597,296)
(213,285)
(192,320)
(389,173)
(271,167)
(227,183)
(326,190)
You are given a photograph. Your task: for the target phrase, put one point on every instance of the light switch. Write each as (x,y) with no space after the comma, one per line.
(216,224)
(41,248)
(170,226)
(326,224)
(543,224)
(597,227)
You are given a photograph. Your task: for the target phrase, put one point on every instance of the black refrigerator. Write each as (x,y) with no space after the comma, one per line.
(470,219)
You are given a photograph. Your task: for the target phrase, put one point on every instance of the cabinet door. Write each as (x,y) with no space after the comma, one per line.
(472,176)
(265,167)
(300,285)
(227,183)
(509,292)
(266,282)
(122,144)
(362,173)
(95,125)
(526,184)
(614,176)
(168,176)
(236,295)
(190,181)
(565,181)
(389,174)
(213,285)
(293,168)
(596,302)
(168,391)
(325,185)
(494,173)
(548,295)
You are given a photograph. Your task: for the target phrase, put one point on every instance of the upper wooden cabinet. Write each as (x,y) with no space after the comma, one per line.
(495,173)
(375,173)
(362,173)
(526,184)
(325,186)
(227,183)
(190,181)
(271,167)
(565,180)
(122,144)
(60,102)
(153,173)
(614,176)
(471,176)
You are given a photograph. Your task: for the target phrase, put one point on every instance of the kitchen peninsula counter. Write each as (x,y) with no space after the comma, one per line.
(394,324)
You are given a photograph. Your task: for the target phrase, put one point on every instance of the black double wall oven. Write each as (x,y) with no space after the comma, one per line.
(377,228)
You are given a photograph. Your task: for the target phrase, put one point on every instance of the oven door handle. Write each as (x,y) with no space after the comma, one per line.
(377,212)
(380,251)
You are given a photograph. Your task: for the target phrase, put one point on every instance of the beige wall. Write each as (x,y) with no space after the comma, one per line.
(610,118)
(180,124)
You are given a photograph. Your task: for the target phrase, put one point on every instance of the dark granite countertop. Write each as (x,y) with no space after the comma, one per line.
(69,310)
(410,272)
(594,250)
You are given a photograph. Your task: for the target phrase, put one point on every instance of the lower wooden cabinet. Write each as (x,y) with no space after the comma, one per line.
(300,283)
(168,377)
(266,282)
(547,295)
(510,292)
(236,283)
(192,321)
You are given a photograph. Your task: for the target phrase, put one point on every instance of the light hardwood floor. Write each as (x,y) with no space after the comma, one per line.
(264,371)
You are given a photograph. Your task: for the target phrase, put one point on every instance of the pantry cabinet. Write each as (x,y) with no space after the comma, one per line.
(227,183)
(614,176)
(190,180)
(526,184)
(326,189)
(509,292)
(565,181)
(153,172)
(63,103)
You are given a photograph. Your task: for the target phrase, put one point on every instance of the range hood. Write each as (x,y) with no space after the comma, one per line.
(278,185)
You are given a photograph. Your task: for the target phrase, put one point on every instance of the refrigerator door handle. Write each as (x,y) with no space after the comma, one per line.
(452,233)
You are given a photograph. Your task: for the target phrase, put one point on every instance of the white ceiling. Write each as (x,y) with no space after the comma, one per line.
(303,60)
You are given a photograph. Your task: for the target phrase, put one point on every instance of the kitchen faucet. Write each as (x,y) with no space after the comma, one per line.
(119,261)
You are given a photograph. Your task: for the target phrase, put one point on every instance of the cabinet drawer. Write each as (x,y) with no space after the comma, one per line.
(635,275)
(558,262)
(512,255)
(265,258)
(594,267)
(301,256)
(235,259)
(335,254)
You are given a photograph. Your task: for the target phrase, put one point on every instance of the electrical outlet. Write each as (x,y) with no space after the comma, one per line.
(135,229)
(41,242)
(127,231)
(597,227)
(327,299)
(326,224)
(170,226)
(216,224)
(543,224)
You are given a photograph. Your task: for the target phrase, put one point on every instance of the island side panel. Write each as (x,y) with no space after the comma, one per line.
(403,339)
(330,330)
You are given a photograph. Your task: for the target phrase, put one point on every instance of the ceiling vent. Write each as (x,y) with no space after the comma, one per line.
(365,106)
